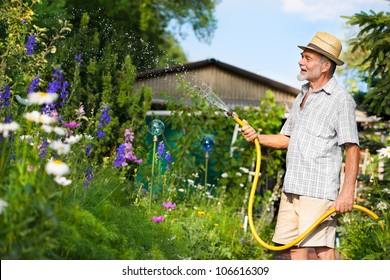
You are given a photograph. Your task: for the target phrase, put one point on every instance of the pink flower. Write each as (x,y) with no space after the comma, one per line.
(158,219)
(71,124)
(169,205)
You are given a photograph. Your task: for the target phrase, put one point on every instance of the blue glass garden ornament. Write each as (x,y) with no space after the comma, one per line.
(156,127)
(208,144)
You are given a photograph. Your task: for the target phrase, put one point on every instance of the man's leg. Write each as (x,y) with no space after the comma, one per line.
(325,253)
(299,253)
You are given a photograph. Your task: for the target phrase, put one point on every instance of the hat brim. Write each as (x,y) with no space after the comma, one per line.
(317,50)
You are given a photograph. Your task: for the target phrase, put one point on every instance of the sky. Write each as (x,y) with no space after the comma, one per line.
(261,36)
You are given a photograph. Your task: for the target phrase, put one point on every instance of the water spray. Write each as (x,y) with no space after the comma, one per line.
(206,93)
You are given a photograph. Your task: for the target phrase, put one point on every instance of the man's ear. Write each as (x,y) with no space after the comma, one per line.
(326,66)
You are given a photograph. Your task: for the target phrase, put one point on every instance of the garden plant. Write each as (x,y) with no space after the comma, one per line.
(80,177)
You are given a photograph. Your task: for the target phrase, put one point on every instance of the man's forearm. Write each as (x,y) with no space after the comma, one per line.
(275,141)
(351,166)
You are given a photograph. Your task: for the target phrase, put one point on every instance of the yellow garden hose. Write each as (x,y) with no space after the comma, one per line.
(252,197)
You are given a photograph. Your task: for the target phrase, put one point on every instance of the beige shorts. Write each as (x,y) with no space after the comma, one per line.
(297,213)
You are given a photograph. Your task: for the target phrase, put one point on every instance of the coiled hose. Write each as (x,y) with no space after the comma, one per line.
(252,198)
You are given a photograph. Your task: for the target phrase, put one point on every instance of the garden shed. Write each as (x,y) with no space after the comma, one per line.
(235,86)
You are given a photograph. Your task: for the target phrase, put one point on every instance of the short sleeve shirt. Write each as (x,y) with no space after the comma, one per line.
(317,133)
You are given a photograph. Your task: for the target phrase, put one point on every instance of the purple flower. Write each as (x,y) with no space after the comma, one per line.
(100,134)
(4,97)
(56,84)
(160,149)
(169,205)
(168,157)
(64,93)
(88,150)
(33,87)
(120,156)
(78,57)
(129,135)
(88,176)
(71,125)
(125,152)
(80,111)
(158,219)
(104,119)
(42,148)
(30,45)
(24,21)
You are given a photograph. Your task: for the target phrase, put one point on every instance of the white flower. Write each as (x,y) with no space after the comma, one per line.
(386,190)
(62,181)
(384,152)
(47,128)
(41,98)
(3,205)
(242,185)
(46,119)
(180,190)
(57,168)
(28,139)
(88,137)
(245,170)
(346,219)
(59,130)
(381,205)
(73,139)
(224,175)
(37,117)
(59,147)
(5,128)
(22,100)
(238,174)
(32,116)
(191,182)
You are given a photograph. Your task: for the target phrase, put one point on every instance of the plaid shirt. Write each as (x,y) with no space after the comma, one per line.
(317,134)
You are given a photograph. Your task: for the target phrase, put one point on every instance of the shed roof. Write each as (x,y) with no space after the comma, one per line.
(235,86)
(179,68)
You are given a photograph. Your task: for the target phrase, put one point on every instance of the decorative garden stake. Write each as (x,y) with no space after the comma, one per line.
(208,145)
(156,128)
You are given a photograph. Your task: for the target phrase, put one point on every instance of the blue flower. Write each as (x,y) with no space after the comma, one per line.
(120,156)
(168,157)
(33,87)
(88,176)
(78,57)
(100,134)
(88,150)
(160,149)
(104,119)
(30,45)
(64,93)
(42,148)
(4,97)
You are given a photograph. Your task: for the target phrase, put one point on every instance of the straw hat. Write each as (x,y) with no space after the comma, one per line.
(327,45)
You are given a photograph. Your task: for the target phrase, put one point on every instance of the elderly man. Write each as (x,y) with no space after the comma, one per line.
(320,127)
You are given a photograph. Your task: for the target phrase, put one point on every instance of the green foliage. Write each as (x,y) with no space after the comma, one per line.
(143,28)
(373,39)
(362,237)
(97,211)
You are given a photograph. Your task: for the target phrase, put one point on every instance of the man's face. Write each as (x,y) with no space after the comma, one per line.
(310,65)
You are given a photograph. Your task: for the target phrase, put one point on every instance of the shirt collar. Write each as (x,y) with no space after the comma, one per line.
(327,88)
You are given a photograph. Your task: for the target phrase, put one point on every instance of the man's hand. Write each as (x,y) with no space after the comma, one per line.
(344,202)
(248,132)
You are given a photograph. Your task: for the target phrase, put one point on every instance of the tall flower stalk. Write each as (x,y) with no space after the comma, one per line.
(153,162)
